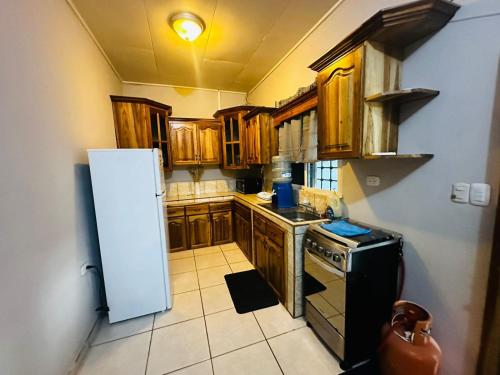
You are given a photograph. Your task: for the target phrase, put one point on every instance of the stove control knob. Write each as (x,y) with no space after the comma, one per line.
(314,245)
(328,253)
(336,258)
(321,250)
(308,242)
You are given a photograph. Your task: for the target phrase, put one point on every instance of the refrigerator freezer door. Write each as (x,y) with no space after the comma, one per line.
(128,222)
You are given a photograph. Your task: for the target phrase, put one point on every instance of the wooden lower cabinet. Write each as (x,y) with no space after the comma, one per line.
(177,234)
(242,235)
(269,255)
(260,260)
(199,231)
(222,227)
(275,268)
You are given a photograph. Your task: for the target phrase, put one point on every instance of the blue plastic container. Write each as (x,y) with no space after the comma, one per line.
(284,195)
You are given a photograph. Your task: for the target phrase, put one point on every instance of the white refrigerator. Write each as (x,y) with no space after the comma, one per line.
(128,187)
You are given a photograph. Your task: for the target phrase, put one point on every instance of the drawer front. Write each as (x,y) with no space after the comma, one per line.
(197,209)
(242,210)
(274,233)
(220,206)
(175,211)
(259,222)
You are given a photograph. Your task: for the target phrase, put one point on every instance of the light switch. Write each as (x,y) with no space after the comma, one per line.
(460,192)
(372,181)
(480,194)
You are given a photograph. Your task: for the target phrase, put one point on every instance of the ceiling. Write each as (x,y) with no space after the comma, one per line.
(243,39)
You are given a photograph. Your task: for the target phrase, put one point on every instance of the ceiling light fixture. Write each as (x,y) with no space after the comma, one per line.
(187,25)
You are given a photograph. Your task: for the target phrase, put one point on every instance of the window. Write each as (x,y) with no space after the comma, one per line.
(323,175)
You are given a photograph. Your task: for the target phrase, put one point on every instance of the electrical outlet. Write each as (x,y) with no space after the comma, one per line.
(372,181)
(83,269)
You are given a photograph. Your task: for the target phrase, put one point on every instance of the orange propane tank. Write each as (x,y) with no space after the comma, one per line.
(407,347)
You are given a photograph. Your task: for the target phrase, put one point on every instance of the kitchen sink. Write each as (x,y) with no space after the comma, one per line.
(296,214)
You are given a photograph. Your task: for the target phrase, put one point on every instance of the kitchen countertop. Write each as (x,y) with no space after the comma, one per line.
(250,199)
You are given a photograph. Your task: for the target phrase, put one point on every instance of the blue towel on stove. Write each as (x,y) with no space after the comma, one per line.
(345,229)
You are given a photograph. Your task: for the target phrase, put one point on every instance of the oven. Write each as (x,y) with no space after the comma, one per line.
(349,287)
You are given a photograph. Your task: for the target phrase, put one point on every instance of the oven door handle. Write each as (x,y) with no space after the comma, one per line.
(323,265)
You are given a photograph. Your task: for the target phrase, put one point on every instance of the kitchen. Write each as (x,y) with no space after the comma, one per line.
(59,93)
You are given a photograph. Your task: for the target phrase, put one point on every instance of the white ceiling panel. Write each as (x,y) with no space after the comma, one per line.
(242,41)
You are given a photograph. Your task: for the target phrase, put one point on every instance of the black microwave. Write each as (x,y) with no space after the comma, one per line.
(249,185)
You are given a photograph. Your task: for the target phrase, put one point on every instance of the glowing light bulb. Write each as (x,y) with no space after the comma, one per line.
(187,25)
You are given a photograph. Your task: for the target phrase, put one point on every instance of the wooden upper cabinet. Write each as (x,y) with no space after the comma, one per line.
(233,136)
(209,143)
(339,107)
(184,143)
(142,123)
(195,141)
(260,140)
(359,81)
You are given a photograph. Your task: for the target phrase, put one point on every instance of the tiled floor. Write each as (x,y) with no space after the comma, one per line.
(203,334)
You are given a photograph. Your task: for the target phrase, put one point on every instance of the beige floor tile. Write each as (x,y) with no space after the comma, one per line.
(235,256)
(229,246)
(255,359)
(241,266)
(213,276)
(203,368)
(207,251)
(184,282)
(211,260)
(180,255)
(301,352)
(127,356)
(216,298)
(178,346)
(181,265)
(275,320)
(185,306)
(109,332)
(228,330)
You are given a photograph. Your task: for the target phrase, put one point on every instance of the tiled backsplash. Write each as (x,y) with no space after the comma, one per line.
(176,189)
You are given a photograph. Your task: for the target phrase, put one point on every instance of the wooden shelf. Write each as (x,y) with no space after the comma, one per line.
(297,106)
(402,96)
(395,27)
(398,156)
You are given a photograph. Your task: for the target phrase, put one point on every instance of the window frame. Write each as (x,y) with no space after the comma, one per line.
(308,177)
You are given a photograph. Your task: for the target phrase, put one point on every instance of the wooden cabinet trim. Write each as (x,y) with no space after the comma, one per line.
(175,211)
(197,209)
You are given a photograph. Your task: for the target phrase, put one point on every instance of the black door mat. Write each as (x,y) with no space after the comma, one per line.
(249,291)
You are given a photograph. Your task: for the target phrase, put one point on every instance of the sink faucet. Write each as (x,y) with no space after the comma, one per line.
(308,207)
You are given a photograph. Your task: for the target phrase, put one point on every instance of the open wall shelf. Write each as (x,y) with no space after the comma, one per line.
(402,96)
(398,156)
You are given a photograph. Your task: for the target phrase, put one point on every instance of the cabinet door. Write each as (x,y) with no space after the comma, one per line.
(209,144)
(158,121)
(251,133)
(131,125)
(339,107)
(260,260)
(222,228)
(275,268)
(199,231)
(234,139)
(184,143)
(247,233)
(177,234)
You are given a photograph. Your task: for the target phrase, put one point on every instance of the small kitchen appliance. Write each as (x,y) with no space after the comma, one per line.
(282,183)
(349,285)
(249,185)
